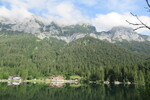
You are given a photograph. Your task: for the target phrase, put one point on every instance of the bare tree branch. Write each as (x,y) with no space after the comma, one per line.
(140,23)
(132,23)
(148,9)
(138,28)
(148,3)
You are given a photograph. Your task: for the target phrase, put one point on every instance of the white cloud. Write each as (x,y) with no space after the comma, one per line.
(14,13)
(67,12)
(106,22)
(60,11)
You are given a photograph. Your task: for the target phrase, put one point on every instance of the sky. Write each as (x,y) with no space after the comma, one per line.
(104,14)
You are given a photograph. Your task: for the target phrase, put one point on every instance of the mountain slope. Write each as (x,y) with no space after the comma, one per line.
(142,48)
(96,52)
(30,57)
(43,28)
(34,48)
(26,55)
(96,59)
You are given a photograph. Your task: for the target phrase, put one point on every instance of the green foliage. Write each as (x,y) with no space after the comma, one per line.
(142,48)
(70,30)
(75,76)
(29,57)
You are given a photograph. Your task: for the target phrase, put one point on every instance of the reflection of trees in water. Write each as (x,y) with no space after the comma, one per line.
(122,92)
(14,83)
(144,92)
(84,92)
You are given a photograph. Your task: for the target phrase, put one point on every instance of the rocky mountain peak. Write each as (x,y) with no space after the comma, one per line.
(44,28)
(122,29)
(121,33)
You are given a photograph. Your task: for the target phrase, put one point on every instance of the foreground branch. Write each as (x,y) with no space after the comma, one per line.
(148,3)
(140,24)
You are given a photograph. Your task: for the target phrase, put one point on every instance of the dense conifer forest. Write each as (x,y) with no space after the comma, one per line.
(30,57)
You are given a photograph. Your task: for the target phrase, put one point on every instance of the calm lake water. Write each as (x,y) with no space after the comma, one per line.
(29,91)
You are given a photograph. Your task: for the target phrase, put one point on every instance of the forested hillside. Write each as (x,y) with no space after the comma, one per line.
(27,56)
(142,48)
(30,57)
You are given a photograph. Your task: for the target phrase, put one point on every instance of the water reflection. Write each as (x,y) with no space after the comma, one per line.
(56,84)
(29,91)
(14,83)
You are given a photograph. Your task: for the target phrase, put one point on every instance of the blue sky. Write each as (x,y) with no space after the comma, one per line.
(104,14)
(88,7)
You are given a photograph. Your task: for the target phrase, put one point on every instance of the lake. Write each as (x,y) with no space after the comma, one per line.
(56,91)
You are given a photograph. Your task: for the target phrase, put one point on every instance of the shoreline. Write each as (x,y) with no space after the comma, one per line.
(39,81)
(69,81)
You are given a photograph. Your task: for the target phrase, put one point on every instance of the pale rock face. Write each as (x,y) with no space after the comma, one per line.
(41,36)
(124,33)
(43,28)
(119,34)
(4,20)
(105,36)
(148,39)
(70,38)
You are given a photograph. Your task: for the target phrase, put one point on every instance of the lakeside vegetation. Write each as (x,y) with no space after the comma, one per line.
(26,56)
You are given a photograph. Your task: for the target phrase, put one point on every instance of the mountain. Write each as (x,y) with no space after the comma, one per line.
(30,57)
(95,52)
(141,48)
(43,28)
(36,47)
(125,33)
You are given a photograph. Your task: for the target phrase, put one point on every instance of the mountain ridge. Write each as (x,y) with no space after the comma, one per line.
(43,28)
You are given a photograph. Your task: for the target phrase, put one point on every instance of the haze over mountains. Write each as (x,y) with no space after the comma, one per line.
(43,28)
